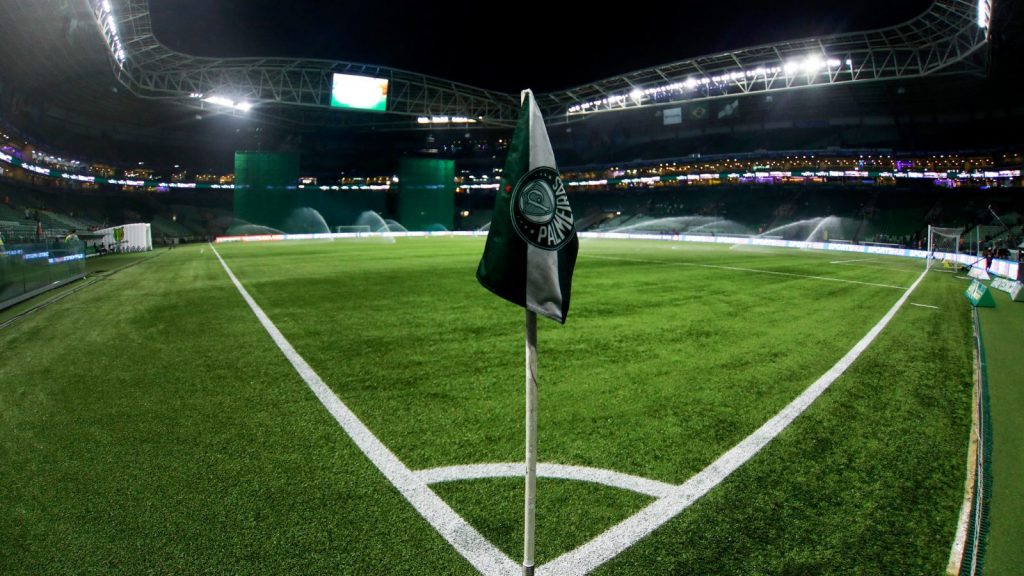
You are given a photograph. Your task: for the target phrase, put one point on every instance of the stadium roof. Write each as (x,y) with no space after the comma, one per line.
(574,45)
(120,66)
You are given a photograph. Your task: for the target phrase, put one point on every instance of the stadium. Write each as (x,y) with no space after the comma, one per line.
(249,256)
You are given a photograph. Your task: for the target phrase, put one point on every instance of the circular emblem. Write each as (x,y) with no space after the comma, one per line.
(540,210)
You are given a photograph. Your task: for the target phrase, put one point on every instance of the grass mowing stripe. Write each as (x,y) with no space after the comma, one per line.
(739,269)
(623,535)
(469,543)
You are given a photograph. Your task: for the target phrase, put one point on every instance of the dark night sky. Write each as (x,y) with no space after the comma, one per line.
(545,48)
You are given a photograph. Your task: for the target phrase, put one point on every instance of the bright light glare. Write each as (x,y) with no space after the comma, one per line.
(109,27)
(229,103)
(445,120)
(220,101)
(812,64)
(984,13)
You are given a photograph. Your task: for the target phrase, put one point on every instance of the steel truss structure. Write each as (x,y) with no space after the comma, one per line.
(950,37)
(151,70)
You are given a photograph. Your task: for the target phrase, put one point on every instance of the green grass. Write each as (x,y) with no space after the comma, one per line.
(148,423)
(1002,330)
(95,268)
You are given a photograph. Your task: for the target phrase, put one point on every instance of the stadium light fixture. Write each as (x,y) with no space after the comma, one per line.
(813,63)
(445,120)
(229,103)
(984,13)
(220,101)
(109,28)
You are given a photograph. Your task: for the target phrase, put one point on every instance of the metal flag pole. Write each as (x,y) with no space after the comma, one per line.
(529,524)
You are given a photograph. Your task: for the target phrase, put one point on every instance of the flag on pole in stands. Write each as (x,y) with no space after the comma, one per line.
(531,246)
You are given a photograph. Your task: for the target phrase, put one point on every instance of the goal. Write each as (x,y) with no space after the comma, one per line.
(943,247)
(352,229)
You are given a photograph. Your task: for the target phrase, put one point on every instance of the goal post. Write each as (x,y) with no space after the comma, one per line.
(352,229)
(943,247)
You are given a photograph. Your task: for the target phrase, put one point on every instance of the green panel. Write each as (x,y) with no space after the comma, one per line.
(426,198)
(979,295)
(265,187)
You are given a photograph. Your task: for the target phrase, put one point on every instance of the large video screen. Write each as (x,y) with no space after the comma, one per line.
(359,93)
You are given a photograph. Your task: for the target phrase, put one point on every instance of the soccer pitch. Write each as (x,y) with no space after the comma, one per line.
(149,423)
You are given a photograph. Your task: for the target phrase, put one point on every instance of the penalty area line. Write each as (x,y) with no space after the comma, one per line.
(618,538)
(754,270)
(483,555)
(854,260)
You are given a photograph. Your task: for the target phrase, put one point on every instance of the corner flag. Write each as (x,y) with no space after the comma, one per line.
(531,246)
(528,260)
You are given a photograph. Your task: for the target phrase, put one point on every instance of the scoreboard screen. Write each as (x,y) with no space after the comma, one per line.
(359,93)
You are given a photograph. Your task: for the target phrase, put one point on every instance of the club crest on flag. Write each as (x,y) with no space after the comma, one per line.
(532,244)
(540,209)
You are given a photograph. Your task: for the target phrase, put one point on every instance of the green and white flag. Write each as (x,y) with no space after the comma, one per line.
(531,246)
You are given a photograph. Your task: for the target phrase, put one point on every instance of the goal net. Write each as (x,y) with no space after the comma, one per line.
(352,229)
(943,247)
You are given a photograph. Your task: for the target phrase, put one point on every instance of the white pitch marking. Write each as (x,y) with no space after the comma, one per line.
(483,555)
(671,501)
(855,260)
(923,305)
(610,478)
(628,532)
(738,269)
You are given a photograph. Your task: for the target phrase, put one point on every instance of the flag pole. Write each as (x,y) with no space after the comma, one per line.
(529,525)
